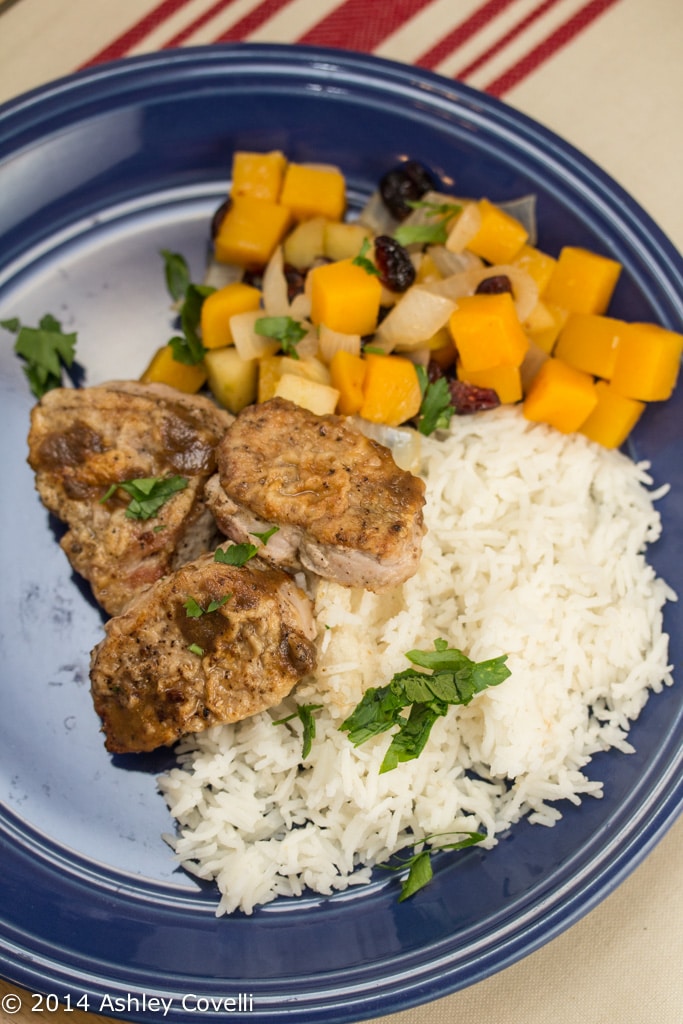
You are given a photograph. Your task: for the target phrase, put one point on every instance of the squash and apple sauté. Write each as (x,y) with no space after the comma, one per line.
(424,306)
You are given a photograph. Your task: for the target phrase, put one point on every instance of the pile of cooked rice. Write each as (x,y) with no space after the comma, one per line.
(535,549)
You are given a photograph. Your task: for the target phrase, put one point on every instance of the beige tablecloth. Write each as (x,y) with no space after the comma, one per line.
(608,76)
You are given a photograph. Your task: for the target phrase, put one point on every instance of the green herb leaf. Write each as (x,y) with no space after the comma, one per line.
(434,233)
(266,535)
(147,494)
(454,679)
(436,409)
(236,554)
(420,864)
(284,329)
(194,610)
(177,274)
(361,259)
(196,649)
(304,713)
(45,349)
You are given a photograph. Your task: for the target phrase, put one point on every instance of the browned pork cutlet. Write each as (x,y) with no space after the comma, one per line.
(83,441)
(208,644)
(343,508)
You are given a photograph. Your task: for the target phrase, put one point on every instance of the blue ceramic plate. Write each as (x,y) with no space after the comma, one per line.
(98,172)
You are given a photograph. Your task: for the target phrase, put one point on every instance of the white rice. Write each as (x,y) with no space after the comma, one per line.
(535,549)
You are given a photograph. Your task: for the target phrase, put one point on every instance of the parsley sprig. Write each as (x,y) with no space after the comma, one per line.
(147,494)
(304,713)
(434,232)
(240,554)
(453,679)
(46,351)
(194,610)
(361,260)
(419,864)
(283,329)
(188,347)
(437,408)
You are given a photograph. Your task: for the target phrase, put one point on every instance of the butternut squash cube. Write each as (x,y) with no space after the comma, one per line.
(647,363)
(613,418)
(164,369)
(582,281)
(314,192)
(222,304)
(590,342)
(258,175)
(391,390)
(251,231)
(231,379)
(506,381)
(499,236)
(344,297)
(560,396)
(347,373)
(538,265)
(487,332)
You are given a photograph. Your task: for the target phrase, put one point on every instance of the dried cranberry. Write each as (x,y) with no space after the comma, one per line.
(296,279)
(467,398)
(219,216)
(494,285)
(404,184)
(396,270)
(253,276)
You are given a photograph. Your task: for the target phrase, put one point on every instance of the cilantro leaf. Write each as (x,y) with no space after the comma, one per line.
(45,349)
(284,329)
(147,494)
(420,864)
(454,679)
(434,233)
(361,260)
(437,408)
(266,535)
(236,554)
(177,274)
(187,347)
(194,610)
(304,713)
(196,649)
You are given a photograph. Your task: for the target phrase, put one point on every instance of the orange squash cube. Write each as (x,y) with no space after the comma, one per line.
(347,375)
(647,363)
(314,192)
(251,231)
(590,342)
(258,175)
(499,236)
(344,297)
(391,390)
(506,381)
(487,332)
(613,418)
(560,396)
(164,369)
(220,306)
(582,281)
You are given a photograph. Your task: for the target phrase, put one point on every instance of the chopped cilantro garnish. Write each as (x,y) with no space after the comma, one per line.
(436,408)
(361,260)
(196,649)
(420,864)
(187,347)
(284,329)
(432,233)
(236,554)
(266,535)
(453,679)
(194,610)
(176,273)
(45,349)
(147,494)
(304,713)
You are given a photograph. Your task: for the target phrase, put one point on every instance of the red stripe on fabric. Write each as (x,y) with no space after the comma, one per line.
(508,37)
(361,24)
(241,29)
(555,41)
(120,46)
(462,32)
(184,34)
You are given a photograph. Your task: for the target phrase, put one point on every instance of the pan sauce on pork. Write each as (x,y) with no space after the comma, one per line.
(83,440)
(168,666)
(343,508)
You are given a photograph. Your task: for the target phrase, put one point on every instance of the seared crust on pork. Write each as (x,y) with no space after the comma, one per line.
(344,509)
(167,667)
(82,441)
